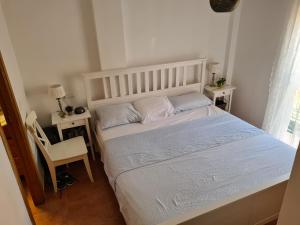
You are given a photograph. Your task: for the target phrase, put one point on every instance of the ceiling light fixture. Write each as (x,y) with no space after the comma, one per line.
(223,5)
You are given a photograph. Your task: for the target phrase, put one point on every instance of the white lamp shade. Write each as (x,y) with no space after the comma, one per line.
(57,91)
(214,67)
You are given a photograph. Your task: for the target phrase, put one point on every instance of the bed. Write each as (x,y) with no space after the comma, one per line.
(202,166)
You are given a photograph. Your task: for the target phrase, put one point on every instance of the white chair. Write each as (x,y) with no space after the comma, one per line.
(64,152)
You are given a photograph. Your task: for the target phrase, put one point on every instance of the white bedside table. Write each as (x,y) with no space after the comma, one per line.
(215,92)
(74,120)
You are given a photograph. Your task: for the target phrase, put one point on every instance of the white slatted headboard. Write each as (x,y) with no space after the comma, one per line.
(129,84)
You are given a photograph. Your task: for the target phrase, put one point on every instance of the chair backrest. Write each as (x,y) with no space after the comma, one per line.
(38,134)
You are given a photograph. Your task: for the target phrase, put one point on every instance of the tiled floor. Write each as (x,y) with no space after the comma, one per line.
(83,203)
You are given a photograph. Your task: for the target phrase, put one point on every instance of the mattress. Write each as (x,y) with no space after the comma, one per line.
(177,167)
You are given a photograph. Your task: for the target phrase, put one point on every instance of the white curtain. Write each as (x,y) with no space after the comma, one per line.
(285,79)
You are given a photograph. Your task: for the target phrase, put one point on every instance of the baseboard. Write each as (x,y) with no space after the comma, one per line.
(267,220)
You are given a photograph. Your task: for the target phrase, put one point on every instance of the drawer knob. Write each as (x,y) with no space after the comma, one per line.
(223,92)
(73,123)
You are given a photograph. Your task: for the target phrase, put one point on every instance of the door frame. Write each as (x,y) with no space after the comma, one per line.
(14,120)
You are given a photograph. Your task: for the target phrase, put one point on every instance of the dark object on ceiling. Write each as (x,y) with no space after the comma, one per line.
(223,5)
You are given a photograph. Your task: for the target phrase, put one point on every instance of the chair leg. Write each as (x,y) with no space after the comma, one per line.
(53,176)
(87,166)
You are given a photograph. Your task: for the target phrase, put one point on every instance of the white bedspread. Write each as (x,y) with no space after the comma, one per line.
(156,193)
(213,159)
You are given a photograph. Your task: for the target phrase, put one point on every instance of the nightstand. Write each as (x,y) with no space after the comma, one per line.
(72,121)
(220,94)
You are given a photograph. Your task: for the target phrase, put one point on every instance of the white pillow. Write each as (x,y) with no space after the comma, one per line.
(118,114)
(189,101)
(154,108)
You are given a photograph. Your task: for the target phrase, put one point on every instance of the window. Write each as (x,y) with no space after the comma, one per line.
(292,135)
(282,117)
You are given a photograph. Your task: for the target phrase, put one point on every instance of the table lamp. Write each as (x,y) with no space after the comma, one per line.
(57,91)
(213,68)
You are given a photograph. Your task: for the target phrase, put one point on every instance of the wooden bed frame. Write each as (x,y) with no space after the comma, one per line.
(257,207)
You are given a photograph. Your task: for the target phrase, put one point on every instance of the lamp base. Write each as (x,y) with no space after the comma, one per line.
(212,84)
(62,114)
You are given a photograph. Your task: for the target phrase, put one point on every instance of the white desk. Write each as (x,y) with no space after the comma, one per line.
(74,120)
(216,92)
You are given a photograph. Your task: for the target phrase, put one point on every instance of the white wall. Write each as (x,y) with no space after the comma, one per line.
(108,17)
(55,42)
(159,31)
(13,209)
(16,80)
(168,30)
(262,25)
(12,66)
